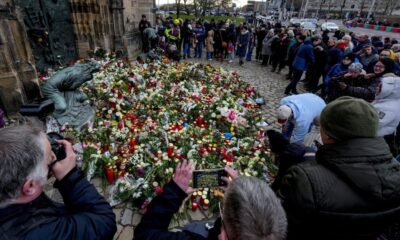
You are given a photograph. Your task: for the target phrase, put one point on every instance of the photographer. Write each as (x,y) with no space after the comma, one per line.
(354,83)
(26,162)
(251,210)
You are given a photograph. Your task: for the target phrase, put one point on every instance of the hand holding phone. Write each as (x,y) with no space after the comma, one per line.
(209,178)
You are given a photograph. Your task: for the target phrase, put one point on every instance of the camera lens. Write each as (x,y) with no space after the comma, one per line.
(58,149)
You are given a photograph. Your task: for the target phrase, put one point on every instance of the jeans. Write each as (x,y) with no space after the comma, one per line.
(293,83)
(199,49)
(186,49)
(230,56)
(209,55)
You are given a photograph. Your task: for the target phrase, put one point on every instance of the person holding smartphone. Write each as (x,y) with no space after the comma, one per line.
(26,162)
(250,210)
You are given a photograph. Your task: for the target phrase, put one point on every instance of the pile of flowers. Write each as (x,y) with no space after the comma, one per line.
(151,116)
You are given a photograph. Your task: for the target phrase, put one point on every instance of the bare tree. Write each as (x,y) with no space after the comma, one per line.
(186,6)
(341,8)
(362,5)
(178,7)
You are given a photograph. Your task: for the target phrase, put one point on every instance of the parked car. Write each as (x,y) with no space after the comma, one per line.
(295,22)
(308,26)
(311,20)
(330,26)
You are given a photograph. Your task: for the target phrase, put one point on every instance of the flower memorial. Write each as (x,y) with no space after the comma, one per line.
(151,116)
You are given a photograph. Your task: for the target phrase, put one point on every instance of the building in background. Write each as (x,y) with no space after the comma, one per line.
(353,8)
(133,11)
(18,78)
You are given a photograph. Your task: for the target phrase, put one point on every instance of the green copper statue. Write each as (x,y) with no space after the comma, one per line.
(69,102)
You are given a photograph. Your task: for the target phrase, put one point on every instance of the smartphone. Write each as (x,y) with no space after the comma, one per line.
(209,178)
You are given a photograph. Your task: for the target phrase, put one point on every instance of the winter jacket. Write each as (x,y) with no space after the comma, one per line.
(387,103)
(333,56)
(366,60)
(143,24)
(304,56)
(336,70)
(155,222)
(359,87)
(360,46)
(200,33)
(85,215)
(303,113)
(293,52)
(210,41)
(266,49)
(350,191)
(243,41)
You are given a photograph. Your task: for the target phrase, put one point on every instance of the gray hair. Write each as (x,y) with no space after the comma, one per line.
(252,211)
(21,152)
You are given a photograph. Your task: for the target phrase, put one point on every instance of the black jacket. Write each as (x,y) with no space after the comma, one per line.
(351,191)
(85,215)
(360,87)
(154,224)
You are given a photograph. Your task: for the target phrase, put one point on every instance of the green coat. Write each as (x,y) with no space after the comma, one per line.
(350,191)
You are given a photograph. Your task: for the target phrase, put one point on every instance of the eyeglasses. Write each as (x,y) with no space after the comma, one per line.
(222,219)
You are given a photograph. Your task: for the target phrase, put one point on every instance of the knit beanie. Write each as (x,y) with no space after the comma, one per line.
(357,67)
(348,118)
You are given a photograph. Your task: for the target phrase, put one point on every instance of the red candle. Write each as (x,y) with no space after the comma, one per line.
(170,150)
(110,174)
(194,206)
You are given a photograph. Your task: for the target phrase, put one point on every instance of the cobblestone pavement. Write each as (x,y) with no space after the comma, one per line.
(269,85)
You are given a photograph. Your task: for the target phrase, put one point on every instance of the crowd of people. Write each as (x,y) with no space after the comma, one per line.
(338,177)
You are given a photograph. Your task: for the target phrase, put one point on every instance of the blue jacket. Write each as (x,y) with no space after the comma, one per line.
(334,56)
(200,33)
(304,56)
(305,108)
(85,215)
(334,71)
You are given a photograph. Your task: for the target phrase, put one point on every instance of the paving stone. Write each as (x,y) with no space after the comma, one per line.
(136,219)
(126,233)
(127,217)
(117,212)
(196,215)
(119,230)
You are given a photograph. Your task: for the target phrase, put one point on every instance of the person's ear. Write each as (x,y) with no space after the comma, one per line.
(30,187)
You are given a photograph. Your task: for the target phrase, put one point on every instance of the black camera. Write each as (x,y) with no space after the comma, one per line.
(58,149)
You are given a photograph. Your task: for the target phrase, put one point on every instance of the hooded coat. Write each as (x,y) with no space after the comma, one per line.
(350,191)
(387,103)
(210,41)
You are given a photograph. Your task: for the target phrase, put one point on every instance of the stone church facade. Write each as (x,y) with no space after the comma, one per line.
(42,34)
(18,77)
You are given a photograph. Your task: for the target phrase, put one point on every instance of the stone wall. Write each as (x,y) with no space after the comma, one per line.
(133,44)
(18,81)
